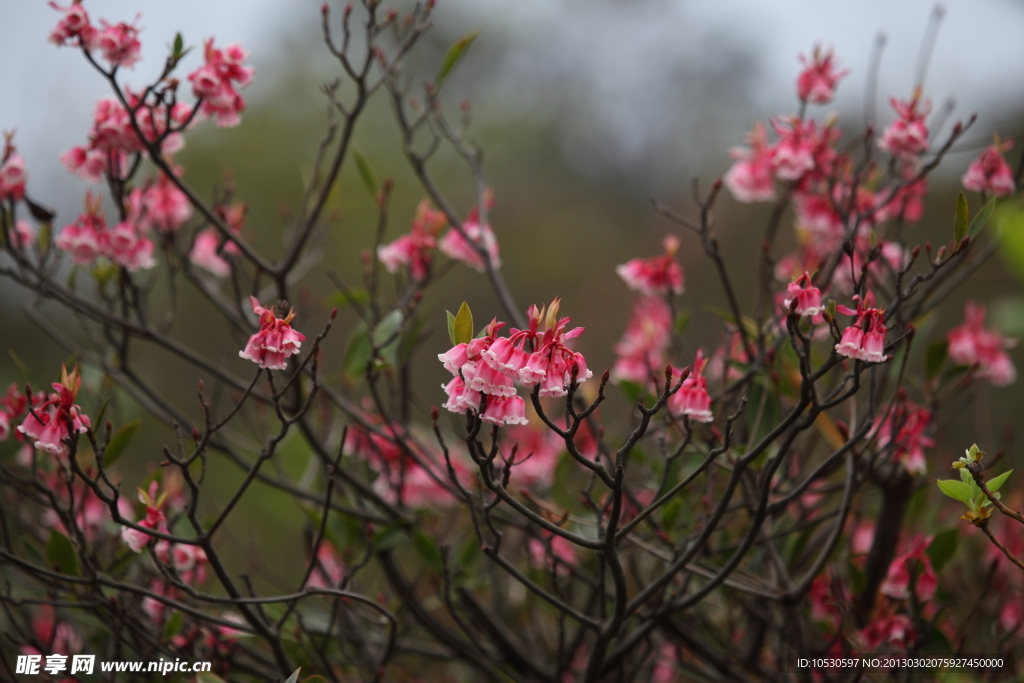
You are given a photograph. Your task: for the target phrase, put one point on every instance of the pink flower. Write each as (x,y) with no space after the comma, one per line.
(794,153)
(897,580)
(460,398)
(552,552)
(413,249)
(81,239)
(89,164)
(657,275)
(276,340)
(896,630)
(829,599)
(214,83)
(329,569)
(505,410)
(817,82)
(12,176)
(752,177)
(24,235)
(972,345)
(865,338)
(907,137)
(119,44)
(536,455)
(154,519)
(456,247)
(642,347)
(206,252)
(909,422)
(49,423)
(692,398)
(164,206)
(125,246)
(990,173)
(806,296)
(74,24)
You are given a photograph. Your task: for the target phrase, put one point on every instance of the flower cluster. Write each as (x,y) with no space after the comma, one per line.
(904,428)
(12,173)
(88,238)
(803,298)
(413,249)
(902,570)
(112,138)
(692,398)
(160,204)
(210,247)
(816,84)
(486,368)
(865,338)
(657,275)
(906,138)
(641,351)
(54,422)
(467,249)
(215,83)
(275,341)
(984,350)
(990,173)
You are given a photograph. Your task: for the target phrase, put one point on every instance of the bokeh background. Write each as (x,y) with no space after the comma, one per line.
(586,111)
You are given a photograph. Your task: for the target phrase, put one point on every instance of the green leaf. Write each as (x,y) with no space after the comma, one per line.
(365,172)
(942,548)
(98,420)
(358,353)
(353,297)
(119,442)
(981,218)
(179,44)
(631,390)
(451,326)
(671,514)
(997,482)
(1010,221)
(386,336)
(960,224)
(428,552)
(454,54)
(682,320)
(33,552)
(957,490)
(172,626)
(294,678)
(462,326)
(61,553)
(934,357)
(207,677)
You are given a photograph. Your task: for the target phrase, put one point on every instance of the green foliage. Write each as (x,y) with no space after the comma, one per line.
(942,548)
(119,442)
(454,55)
(462,325)
(61,554)
(960,219)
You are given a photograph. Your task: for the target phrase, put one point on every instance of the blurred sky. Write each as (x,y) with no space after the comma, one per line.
(629,85)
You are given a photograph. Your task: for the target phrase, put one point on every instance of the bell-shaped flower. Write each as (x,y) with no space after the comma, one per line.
(275,341)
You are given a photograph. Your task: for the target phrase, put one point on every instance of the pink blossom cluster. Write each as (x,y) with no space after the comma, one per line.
(215,83)
(413,250)
(12,406)
(803,298)
(990,173)
(210,247)
(816,84)
(54,634)
(189,561)
(112,138)
(119,42)
(54,422)
(865,339)
(657,275)
(397,457)
(160,204)
(906,138)
(124,244)
(12,173)
(641,351)
(913,562)
(486,368)
(692,398)
(275,340)
(982,349)
(904,428)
